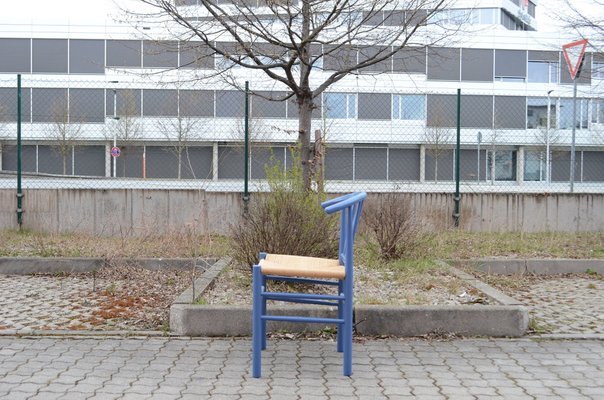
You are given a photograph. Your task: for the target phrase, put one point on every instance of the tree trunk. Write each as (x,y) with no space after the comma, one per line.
(179,162)
(305,107)
(436,169)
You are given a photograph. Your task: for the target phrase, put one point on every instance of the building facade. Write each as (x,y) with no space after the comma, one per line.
(88,89)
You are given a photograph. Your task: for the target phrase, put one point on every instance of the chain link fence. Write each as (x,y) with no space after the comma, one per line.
(99,134)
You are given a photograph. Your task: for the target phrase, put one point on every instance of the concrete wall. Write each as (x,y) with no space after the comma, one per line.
(140,212)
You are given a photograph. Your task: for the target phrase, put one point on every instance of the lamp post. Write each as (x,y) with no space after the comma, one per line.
(547,126)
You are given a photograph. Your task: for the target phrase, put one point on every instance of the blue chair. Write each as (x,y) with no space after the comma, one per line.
(311,270)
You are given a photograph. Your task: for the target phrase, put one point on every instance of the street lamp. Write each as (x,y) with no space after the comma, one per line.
(547,126)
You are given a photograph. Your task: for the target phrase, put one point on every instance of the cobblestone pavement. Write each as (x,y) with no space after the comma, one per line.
(566,305)
(162,368)
(45,302)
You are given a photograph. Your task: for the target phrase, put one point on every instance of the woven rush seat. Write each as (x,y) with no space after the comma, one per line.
(300,266)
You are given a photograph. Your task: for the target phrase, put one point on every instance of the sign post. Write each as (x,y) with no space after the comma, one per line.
(574,53)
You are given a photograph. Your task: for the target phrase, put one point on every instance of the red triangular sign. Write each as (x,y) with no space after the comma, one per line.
(573,54)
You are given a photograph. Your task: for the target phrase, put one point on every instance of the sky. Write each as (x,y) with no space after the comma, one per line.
(82,12)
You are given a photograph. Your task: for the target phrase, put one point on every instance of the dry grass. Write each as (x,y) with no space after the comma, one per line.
(179,244)
(441,245)
(462,245)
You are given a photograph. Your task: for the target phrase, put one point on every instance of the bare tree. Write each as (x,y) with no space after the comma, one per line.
(583,19)
(438,142)
(439,135)
(287,40)
(180,131)
(64,134)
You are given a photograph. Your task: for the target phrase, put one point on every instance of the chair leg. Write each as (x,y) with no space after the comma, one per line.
(256,322)
(340,344)
(263,286)
(347,328)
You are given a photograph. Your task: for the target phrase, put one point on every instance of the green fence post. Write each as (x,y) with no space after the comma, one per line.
(246,171)
(457,161)
(19,191)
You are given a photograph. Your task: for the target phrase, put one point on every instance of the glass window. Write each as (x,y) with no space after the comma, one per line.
(501,165)
(340,105)
(160,103)
(86,56)
(124,53)
(49,55)
(488,16)
(408,107)
(20,55)
(86,105)
(536,112)
(597,71)
(49,104)
(534,165)
(542,72)
(566,113)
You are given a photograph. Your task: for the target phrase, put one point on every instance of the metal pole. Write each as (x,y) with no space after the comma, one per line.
(572,144)
(479,139)
(547,178)
(246,194)
(114,131)
(19,191)
(457,161)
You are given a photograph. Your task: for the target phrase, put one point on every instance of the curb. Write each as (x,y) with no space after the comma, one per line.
(507,319)
(50,265)
(541,267)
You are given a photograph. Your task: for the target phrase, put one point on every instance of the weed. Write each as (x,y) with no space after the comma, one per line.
(538,327)
(591,286)
(391,221)
(288,220)
(201,301)
(591,272)
(111,289)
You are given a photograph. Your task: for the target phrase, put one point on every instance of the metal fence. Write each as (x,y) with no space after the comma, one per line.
(99,134)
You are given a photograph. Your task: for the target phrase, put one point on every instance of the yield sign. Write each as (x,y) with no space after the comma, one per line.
(573,54)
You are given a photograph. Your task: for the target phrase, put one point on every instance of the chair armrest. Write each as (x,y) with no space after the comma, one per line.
(328,203)
(348,201)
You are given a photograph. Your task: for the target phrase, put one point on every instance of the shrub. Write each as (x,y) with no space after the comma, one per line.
(288,220)
(390,220)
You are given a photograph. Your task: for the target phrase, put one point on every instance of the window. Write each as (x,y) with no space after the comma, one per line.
(124,53)
(20,55)
(444,64)
(160,103)
(489,16)
(49,55)
(566,114)
(477,65)
(501,165)
(163,54)
(86,105)
(597,111)
(86,56)
(408,107)
(534,165)
(510,65)
(374,106)
(542,72)
(598,70)
(340,105)
(536,112)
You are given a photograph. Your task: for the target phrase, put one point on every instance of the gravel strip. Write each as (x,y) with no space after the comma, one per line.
(372,286)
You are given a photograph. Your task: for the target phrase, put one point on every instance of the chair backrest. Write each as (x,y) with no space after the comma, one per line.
(350,207)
